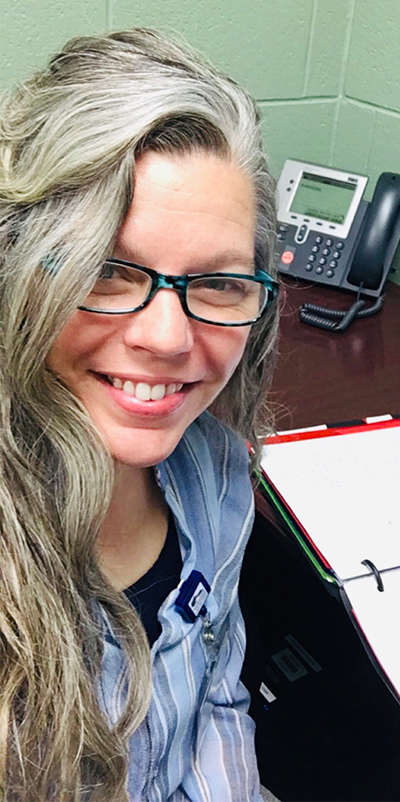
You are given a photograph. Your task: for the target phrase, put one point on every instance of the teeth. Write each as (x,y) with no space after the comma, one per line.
(145,392)
(128,388)
(157,392)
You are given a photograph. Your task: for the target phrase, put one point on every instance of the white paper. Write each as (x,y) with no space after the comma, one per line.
(378,615)
(345,491)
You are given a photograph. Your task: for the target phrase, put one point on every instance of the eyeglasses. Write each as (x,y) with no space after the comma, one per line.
(223,299)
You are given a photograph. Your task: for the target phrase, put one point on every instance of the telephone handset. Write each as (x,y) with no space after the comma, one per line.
(379,236)
(327,233)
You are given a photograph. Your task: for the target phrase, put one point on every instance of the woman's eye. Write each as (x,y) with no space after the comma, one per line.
(218,284)
(115,272)
(111,279)
(225,285)
(122,280)
(107,271)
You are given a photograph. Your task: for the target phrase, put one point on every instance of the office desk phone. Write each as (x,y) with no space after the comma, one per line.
(330,234)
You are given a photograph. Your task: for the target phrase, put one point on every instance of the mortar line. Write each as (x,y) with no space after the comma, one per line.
(375,106)
(342,78)
(309,47)
(346,49)
(300,100)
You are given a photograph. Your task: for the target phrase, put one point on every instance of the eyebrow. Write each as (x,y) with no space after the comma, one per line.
(229,258)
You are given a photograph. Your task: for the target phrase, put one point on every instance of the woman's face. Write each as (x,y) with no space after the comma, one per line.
(190,214)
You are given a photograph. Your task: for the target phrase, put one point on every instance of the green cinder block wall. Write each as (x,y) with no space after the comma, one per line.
(326,73)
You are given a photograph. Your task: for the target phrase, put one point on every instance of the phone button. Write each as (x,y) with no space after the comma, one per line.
(287,257)
(301,233)
(315,249)
(322,261)
(329,273)
(333,263)
(340,245)
(329,242)
(309,267)
(319,270)
(336,255)
(319,239)
(311,257)
(326,251)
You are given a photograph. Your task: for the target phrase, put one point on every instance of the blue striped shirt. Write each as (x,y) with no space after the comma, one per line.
(197,741)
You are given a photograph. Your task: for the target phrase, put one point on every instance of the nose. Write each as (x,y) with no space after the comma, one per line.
(161,327)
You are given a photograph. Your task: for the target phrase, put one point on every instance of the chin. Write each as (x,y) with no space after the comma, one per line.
(144,451)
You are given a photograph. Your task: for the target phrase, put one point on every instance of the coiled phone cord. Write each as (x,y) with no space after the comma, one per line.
(336,320)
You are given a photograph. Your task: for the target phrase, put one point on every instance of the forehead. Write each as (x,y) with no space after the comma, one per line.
(186,202)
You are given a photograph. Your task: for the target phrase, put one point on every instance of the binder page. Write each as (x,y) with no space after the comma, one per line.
(344,491)
(377,615)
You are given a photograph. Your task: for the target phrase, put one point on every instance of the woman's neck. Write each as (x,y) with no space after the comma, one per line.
(135,527)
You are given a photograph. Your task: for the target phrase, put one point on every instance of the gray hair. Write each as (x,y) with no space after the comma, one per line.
(69,139)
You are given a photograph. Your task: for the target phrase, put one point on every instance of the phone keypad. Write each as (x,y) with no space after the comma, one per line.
(323,252)
(328,248)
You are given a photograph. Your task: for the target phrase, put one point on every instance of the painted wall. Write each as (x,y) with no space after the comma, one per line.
(326,73)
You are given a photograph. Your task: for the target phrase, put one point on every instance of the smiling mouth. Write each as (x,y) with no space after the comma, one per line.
(141,390)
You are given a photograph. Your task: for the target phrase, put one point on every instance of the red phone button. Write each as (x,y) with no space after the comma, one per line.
(287,257)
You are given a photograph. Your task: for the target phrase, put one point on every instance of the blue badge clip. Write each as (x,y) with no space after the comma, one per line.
(192,595)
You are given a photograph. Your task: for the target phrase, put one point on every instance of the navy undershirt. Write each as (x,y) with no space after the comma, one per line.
(149,592)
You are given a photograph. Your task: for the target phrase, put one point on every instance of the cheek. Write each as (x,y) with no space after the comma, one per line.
(79,339)
(228,350)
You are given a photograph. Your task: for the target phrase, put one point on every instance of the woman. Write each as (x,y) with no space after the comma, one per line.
(137,222)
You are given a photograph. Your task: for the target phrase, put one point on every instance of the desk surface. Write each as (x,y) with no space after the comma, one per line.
(322,377)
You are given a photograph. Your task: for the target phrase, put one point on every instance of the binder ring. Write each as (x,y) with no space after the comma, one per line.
(375,572)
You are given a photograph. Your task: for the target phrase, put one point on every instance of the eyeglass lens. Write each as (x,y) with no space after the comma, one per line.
(212,298)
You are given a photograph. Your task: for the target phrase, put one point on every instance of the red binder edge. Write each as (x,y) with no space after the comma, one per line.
(335,429)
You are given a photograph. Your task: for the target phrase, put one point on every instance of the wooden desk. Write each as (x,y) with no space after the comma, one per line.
(323,377)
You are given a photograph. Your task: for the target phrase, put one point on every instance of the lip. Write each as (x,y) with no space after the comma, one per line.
(145,409)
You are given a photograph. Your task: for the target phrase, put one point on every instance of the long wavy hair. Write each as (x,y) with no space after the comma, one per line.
(69,139)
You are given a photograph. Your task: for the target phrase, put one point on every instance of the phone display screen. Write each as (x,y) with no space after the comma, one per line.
(323,197)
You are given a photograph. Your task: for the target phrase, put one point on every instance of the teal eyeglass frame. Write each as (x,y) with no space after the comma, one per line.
(160,281)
